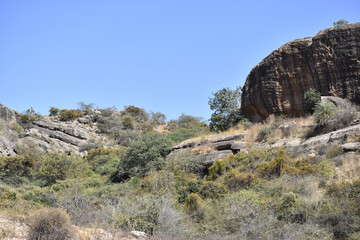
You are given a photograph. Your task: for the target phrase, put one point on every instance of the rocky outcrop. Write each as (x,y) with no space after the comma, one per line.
(222,142)
(47,134)
(7,148)
(7,115)
(328,62)
(337,137)
(208,150)
(213,148)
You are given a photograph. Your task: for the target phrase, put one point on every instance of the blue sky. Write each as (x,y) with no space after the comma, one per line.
(166,56)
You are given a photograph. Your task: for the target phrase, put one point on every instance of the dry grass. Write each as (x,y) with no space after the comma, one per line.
(50,223)
(202,150)
(251,132)
(349,170)
(353,138)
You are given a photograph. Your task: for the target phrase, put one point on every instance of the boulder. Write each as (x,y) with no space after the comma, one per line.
(328,62)
(237,146)
(8,116)
(208,159)
(212,141)
(350,147)
(294,143)
(38,143)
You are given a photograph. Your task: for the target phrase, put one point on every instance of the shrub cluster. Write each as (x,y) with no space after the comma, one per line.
(69,115)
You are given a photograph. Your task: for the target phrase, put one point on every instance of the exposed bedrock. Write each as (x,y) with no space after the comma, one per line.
(328,62)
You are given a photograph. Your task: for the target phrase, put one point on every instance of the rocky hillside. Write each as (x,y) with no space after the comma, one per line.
(346,141)
(48,134)
(328,62)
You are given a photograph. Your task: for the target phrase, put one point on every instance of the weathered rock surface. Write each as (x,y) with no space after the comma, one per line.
(223,142)
(7,148)
(339,137)
(47,134)
(328,62)
(7,115)
(213,148)
(355,146)
(208,159)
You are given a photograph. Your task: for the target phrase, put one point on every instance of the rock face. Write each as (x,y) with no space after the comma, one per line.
(328,62)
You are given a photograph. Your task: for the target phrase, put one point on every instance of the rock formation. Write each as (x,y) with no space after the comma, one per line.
(211,149)
(328,62)
(47,134)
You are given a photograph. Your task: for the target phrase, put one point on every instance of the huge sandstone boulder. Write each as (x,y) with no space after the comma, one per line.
(328,62)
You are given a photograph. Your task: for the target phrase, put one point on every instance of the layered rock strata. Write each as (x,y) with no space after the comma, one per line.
(328,62)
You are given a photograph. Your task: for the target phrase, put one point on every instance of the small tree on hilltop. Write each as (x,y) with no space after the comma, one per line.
(341,22)
(54,111)
(226,106)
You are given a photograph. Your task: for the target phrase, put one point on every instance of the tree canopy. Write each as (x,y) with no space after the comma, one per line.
(226,106)
(341,22)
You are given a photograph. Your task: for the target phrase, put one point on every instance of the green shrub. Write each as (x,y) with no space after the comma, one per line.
(145,127)
(158,182)
(341,118)
(186,127)
(50,223)
(186,187)
(128,122)
(104,160)
(184,162)
(137,113)
(29,116)
(212,190)
(157,118)
(341,22)
(7,193)
(225,104)
(244,123)
(220,167)
(334,151)
(86,107)
(53,111)
(326,168)
(195,206)
(276,167)
(54,166)
(13,167)
(235,182)
(146,153)
(323,111)
(264,133)
(124,137)
(291,208)
(68,115)
(311,98)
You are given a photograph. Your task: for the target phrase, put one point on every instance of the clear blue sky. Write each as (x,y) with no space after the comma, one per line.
(166,56)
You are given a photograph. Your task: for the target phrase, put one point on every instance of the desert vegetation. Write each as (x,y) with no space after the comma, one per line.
(263,193)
